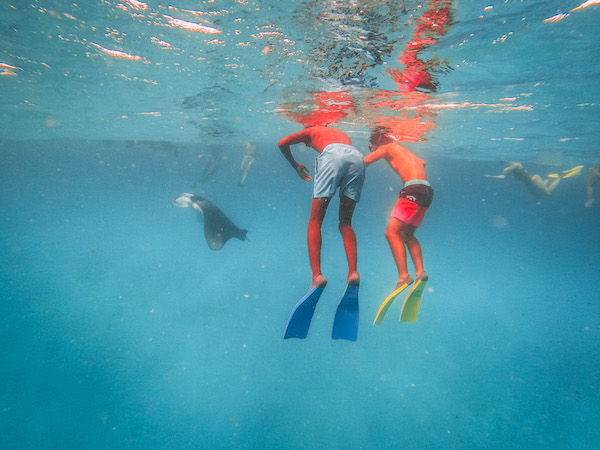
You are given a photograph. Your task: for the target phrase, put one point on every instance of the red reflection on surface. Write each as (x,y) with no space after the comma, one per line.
(413,129)
(404,114)
(416,75)
(325,108)
(409,122)
(407,113)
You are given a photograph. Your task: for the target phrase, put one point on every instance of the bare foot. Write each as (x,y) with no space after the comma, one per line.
(319,281)
(423,276)
(407,281)
(353,279)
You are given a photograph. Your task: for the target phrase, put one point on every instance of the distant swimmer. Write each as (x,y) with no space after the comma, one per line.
(406,217)
(593,177)
(248,160)
(338,166)
(212,159)
(536,185)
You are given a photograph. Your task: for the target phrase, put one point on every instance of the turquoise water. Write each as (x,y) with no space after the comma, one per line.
(120,328)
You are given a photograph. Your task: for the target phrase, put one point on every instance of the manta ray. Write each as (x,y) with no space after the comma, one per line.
(218,229)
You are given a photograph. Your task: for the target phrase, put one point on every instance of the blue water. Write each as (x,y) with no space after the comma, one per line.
(120,328)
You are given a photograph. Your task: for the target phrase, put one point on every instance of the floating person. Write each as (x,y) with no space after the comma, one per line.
(406,217)
(248,160)
(593,177)
(339,165)
(211,161)
(218,229)
(536,185)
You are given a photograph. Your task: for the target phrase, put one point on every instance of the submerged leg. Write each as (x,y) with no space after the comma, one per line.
(414,248)
(394,237)
(347,206)
(547,186)
(317,214)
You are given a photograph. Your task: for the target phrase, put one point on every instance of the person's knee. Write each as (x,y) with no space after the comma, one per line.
(407,234)
(344,225)
(402,232)
(315,222)
(410,240)
(392,234)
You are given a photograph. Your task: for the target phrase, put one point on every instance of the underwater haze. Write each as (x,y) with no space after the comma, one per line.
(121,328)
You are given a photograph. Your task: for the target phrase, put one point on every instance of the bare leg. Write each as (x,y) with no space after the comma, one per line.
(347,206)
(414,248)
(552,183)
(393,235)
(317,214)
(545,186)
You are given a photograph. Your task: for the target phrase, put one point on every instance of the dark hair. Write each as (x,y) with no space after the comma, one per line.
(379,129)
(380,132)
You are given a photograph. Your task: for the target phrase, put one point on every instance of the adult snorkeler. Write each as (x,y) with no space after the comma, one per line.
(536,185)
(248,160)
(338,166)
(407,215)
(593,177)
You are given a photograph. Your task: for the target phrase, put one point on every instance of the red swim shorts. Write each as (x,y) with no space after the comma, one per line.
(408,212)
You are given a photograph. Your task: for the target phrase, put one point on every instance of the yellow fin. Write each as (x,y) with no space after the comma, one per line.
(388,302)
(410,308)
(572,172)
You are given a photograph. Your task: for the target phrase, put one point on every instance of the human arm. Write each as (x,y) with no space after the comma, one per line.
(375,156)
(510,168)
(284,147)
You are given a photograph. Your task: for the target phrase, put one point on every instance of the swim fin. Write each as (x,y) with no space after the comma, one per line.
(345,324)
(572,172)
(390,298)
(568,173)
(410,308)
(301,316)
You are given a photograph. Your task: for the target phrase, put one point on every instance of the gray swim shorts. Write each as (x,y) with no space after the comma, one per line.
(342,166)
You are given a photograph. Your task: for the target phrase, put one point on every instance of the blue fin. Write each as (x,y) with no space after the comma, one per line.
(345,325)
(299,321)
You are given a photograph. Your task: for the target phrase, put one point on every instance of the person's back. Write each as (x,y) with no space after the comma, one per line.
(317,137)
(405,163)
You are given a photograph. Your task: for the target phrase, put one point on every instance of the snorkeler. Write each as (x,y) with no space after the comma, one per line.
(248,160)
(406,217)
(339,165)
(534,183)
(593,177)
(211,161)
